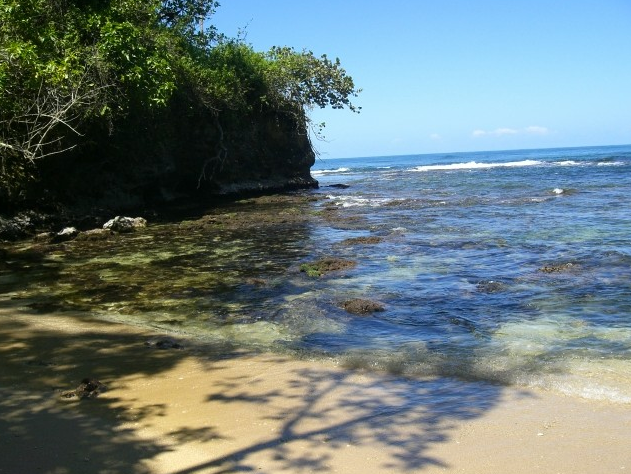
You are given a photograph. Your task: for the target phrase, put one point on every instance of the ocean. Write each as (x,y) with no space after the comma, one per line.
(512,267)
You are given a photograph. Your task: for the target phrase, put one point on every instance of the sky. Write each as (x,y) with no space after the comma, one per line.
(441,76)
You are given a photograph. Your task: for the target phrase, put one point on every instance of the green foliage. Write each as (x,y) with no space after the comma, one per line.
(282,79)
(238,75)
(188,18)
(302,78)
(67,64)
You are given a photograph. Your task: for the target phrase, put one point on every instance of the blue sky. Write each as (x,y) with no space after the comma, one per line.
(459,75)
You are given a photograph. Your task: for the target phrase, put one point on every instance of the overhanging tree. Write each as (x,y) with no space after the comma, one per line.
(66,66)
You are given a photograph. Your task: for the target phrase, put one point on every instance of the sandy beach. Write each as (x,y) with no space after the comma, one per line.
(200,410)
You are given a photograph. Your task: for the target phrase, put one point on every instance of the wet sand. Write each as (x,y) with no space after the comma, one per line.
(212,410)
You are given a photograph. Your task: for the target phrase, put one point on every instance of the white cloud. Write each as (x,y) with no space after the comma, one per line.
(537,130)
(435,136)
(498,132)
(504,131)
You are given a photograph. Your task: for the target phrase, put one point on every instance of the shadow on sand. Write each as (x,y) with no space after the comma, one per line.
(302,416)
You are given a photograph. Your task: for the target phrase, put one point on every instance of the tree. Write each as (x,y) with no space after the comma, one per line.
(300,81)
(65,63)
(282,79)
(69,67)
(302,78)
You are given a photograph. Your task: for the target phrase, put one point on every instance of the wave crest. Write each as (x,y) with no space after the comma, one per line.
(330,171)
(476,165)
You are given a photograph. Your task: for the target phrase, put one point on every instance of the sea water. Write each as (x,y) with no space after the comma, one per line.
(511,266)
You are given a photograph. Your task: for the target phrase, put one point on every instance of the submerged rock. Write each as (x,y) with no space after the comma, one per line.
(362,306)
(326,265)
(363,240)
(164,343)
(125,224)
(340,218)
(563,267)
(257,282)
(490,286)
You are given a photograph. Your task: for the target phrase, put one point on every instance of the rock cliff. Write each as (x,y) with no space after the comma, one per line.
(195,156)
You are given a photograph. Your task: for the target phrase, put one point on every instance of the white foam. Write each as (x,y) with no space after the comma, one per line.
(471,165)
(558,191)
(611,163)
(520,347)
(338,170)
(354,201)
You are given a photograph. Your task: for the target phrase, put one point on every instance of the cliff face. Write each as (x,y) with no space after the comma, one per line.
(275,156)
(193,156)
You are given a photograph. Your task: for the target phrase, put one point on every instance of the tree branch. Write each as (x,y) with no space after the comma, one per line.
(46,121)
(218,159)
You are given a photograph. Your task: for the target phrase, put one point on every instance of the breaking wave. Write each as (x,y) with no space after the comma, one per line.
(331,171)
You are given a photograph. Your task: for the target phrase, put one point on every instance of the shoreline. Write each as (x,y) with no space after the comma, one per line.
(213,410)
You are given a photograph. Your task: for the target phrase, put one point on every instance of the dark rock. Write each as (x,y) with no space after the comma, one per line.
(164,343)
(16,227)
(362,306)
(190,154)
(88,388)
(265,186)
(339,186)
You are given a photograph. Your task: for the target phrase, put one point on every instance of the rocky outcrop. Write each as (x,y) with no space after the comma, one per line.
(326,265)
(185,157)
(191,156)
(20,225)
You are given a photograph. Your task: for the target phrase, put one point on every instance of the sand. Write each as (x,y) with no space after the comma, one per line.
(212,410)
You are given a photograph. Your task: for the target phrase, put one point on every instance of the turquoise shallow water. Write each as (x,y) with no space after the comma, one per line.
(511,267)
